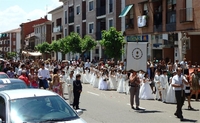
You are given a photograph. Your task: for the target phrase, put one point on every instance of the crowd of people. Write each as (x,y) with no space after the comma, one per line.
(66,77)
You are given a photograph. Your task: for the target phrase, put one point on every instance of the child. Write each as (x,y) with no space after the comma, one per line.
(57,85)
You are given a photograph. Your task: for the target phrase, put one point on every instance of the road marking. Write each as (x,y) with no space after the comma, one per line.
(92,93)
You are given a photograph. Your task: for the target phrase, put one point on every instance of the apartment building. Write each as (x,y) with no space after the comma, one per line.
(57,27)
(163,23)
(90,17)
(10,42)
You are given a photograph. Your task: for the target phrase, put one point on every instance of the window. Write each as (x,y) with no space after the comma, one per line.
(110,23)
(65,16)
(5,49)
(145,9)
(0,42)
(78,29)
(14,42)
(77,10)
(14,35)
(171,11)
(14,49)
(96,51)
(110,6)
(52,26)
(65,32)
(91,5)
(91,27)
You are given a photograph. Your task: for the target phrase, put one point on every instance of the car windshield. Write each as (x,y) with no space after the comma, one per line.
(11,86)
(41,109)
(2,76)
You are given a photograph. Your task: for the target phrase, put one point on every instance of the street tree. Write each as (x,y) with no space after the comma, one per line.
(64,48)
(87,44)
(113,43)
(55,47)
(74,42)
(45,47)
(11,55)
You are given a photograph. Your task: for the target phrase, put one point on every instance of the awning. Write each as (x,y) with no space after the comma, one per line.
(31,53)
(144,1)
(35,53)
(125,10)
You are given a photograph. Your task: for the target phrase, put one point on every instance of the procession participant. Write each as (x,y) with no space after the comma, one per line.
(178,83)
(170,98)
(164,85)
(134,89)
(11,72)
(77,89)
(195,83)
(158,85)
(33,78)
(24,77)
(122,87)
(145,89)
(187,92)
(112,80)
(69,83)
(57,85)
(43,76)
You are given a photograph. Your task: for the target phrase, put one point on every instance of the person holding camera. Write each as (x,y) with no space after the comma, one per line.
(134,89)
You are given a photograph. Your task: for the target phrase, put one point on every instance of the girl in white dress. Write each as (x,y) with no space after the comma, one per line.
(104,81)
(86,79)
(112,80)
(145,89)
(170,98)
(96,81)
(122,84)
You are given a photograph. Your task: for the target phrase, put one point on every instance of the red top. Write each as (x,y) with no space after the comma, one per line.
(25,79)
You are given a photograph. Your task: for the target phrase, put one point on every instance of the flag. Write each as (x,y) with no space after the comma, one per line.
(137,56)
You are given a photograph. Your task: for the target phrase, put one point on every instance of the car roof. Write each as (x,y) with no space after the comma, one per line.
(2,73)
(9,81)
(25,93)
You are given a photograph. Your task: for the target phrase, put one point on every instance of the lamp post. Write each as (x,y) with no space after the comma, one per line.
(185,44)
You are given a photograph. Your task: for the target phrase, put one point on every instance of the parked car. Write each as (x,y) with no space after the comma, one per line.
(9,84)
(3,75)
(36,105)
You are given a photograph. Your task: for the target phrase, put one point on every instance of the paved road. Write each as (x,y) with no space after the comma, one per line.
(112,107)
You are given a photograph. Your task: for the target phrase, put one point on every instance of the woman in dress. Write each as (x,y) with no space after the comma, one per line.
(122,84)
(170,98)
(104,81)
(33,78)
(145,89)
(96,81)
(195,83)
(112,80)
(57,85)
(86,79)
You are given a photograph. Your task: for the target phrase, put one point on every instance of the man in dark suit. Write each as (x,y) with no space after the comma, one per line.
(77,89)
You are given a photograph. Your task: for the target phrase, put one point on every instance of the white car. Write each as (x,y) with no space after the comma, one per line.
(36,105)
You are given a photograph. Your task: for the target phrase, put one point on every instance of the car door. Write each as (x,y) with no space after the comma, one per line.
(2,110)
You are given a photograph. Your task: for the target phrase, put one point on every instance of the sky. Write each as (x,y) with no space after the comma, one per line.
(15,12)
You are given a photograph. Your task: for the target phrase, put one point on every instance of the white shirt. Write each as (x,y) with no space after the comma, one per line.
(44,73)
(178,80)
(70,80)
(87,64)
(157,78)
(164,81)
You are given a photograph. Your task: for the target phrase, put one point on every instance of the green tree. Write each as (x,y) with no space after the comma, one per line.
(74,42)
(63,46)
(87,44)
(44,47)
(11,55)
(113,43)
(55,47)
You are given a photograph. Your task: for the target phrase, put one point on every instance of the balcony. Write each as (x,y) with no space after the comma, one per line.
(157,22)
(84,16)
(101,11)
(98,35)
(171,21)
(71,19)
(57,29)
(186,15)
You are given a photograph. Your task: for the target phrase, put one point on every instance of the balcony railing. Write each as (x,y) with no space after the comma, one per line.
(101,11)
(186,15)
(71,19)
(57,29)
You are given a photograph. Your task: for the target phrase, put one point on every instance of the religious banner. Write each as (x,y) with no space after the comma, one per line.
(137,56)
